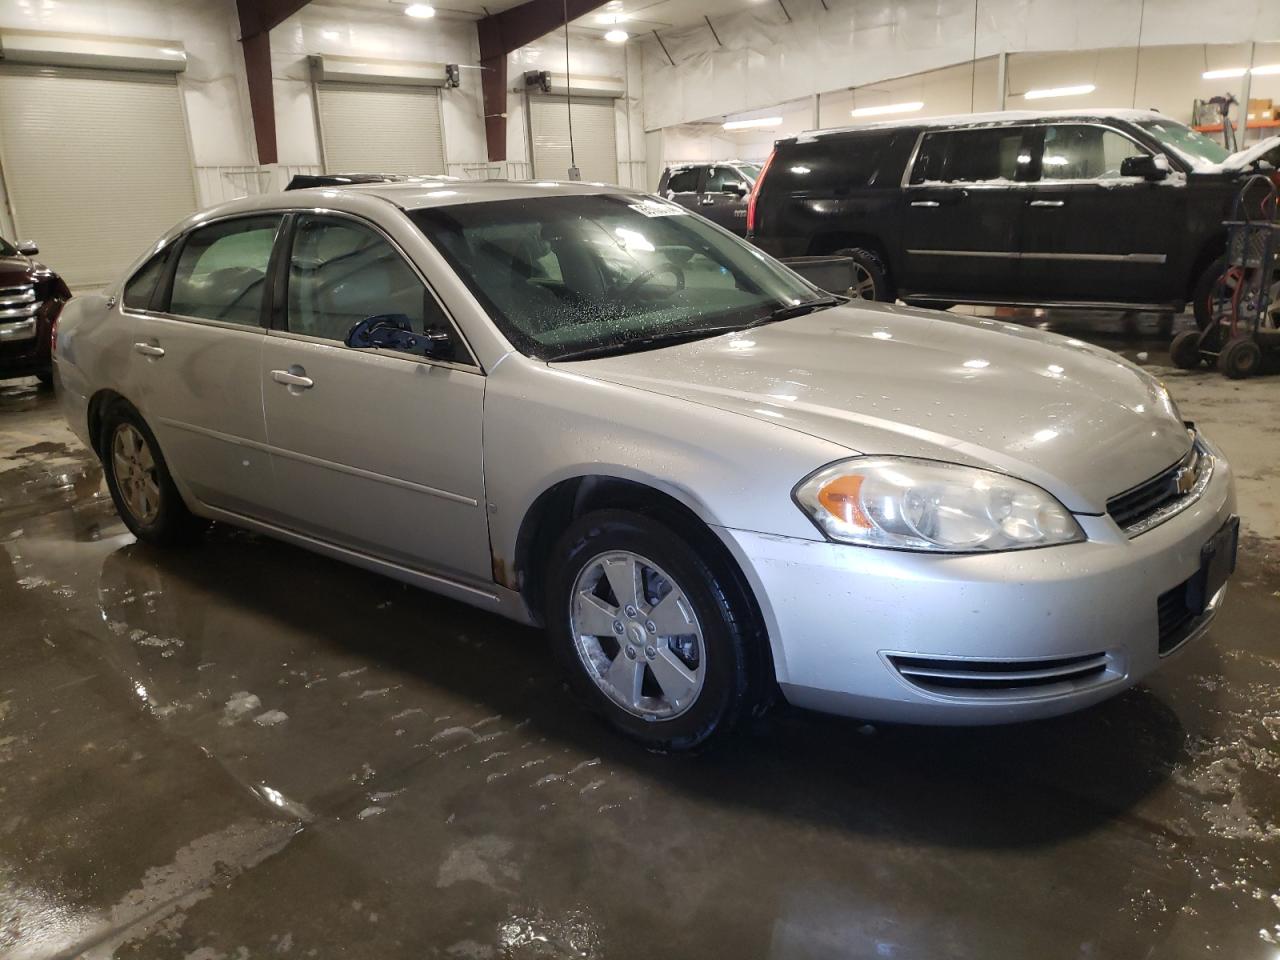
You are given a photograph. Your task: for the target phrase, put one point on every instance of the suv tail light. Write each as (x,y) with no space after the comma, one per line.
(755,193)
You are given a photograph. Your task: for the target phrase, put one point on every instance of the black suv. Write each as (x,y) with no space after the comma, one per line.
(718,190)
(1110,209)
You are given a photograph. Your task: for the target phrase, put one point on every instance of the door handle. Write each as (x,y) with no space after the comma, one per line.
(1047,203)
(924,203)
(148,349)
(290,379)
(707,201)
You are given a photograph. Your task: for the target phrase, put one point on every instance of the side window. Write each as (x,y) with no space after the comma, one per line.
(139,288)
(1080,151)
(724,180)
(971,156)
(222,270)
(683,181)
(832,163)
(341,272)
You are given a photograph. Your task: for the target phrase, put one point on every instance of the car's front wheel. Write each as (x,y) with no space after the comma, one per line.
(870,275)
(653,635)
(138,478)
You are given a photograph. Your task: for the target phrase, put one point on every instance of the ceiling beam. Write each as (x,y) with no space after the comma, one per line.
(503,33)
(257,17)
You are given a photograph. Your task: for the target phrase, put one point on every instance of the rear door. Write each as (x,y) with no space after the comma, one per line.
(198,347)
(963,208)
(684,186)
(724,198)
(1091,234)
(374,450)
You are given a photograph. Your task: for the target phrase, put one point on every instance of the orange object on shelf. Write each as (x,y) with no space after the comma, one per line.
(1251,125)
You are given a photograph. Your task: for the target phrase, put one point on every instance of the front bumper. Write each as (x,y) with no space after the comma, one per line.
(884,634)
(24,344)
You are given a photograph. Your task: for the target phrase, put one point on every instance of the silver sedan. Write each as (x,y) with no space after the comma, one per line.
(587,408)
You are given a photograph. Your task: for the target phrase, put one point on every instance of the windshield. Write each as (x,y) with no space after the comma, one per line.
(1194,147)
(752,170)
(564,275)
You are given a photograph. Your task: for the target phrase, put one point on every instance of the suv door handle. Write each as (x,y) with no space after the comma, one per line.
(925,203)
(707,201)
(1047,203)
(290,379)
(148,349)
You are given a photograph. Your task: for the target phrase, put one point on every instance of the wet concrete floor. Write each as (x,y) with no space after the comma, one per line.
(244,750)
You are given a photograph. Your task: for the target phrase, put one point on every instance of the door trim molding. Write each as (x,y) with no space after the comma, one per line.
(1152,258)
(319,462)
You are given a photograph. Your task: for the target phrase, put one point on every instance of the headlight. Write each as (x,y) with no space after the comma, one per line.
(926,505)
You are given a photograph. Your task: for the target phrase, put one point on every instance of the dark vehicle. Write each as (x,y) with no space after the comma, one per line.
(31,297)
(1110,209)
(718,190)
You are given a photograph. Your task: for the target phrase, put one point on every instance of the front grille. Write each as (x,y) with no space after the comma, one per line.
(1136,507)
(997,679)
(18,303)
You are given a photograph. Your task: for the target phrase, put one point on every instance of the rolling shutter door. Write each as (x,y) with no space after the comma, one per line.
(380,128)
(96,164)
(594,133)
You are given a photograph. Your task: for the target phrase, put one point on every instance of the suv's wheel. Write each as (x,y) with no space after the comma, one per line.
(1240,358)
(1205,290)
(651,633)
(139,481)
(1184,351)
(870,275)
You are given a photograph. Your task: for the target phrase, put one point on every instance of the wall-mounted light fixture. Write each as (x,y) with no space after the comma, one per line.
(880,111)
(750,124)
(421,11)
(1049,93)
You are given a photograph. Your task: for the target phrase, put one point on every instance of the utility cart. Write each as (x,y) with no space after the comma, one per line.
(1245,303)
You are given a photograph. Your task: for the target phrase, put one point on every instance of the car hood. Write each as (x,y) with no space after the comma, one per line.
(1081,422)
(16,269)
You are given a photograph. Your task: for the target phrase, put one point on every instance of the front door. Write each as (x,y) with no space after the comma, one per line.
(1090,233)
(724,198)
(963,211)
(197,342)
(373,450)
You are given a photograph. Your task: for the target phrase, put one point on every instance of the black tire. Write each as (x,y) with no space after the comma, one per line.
(728,628)
(1203,292)
(1184,351)
(46,380)
(1240,358)
(171,522)
(869,268)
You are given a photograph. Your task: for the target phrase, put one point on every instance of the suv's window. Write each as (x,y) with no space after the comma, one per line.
(1079,151)
(724,179)
(684,181)
(970,156)
(829,163)
(341,272)
(139,288)
(222,270)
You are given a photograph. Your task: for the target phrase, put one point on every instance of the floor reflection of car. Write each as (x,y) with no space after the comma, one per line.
(1119,209)
(581,407)
(31,297)
(718,191)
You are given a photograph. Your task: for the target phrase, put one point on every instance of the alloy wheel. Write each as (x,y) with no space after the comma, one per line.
(637,636)
(135,472)
(864,284)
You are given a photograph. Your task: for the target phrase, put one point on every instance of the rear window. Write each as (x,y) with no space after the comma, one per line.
(832,163)
(971,156)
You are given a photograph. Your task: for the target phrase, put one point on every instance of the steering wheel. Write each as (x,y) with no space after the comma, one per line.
(634,287)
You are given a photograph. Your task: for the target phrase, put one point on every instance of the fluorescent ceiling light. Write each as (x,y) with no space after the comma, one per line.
(748,124)
(616,36)
(1050,92)
(911,107)
(420,10)
(1225,74)
(1269,70)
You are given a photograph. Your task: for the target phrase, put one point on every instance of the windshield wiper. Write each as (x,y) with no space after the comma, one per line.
(792,310)
(649,342)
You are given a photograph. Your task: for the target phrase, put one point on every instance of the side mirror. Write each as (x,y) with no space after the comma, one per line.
(393,331)
(1145,166)
(28,248)
(737,190)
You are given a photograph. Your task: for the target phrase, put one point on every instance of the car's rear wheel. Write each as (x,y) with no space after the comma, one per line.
(139,481)
(651,633)
(870,275)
